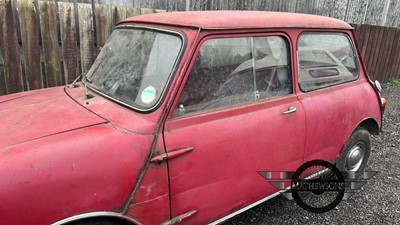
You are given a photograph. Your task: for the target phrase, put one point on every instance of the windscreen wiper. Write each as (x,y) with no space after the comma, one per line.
(84,80)
(74,83)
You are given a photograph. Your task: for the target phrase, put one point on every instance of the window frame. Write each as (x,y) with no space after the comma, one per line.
(339,33)
(209,35)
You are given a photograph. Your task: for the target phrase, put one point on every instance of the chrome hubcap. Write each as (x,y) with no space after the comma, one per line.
(355,157)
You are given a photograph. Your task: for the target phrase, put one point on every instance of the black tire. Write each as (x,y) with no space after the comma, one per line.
(99,221)
(360,138)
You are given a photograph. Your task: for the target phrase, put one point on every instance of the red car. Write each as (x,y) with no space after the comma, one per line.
(179,112)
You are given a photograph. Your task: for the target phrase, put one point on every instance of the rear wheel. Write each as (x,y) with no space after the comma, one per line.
(355,154)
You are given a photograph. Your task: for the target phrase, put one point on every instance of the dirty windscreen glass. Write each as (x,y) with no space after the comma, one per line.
(134,66)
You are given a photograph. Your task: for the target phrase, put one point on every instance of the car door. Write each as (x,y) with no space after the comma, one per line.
(236,115)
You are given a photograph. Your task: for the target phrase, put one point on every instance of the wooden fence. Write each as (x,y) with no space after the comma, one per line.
(380,50)
(48,43)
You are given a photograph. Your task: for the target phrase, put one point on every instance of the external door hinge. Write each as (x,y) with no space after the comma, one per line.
(170,155)
(179,218)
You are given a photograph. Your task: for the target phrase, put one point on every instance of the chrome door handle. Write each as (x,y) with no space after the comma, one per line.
(291,109)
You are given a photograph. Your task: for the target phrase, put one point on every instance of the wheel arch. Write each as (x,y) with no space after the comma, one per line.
(109,216)
(370,124)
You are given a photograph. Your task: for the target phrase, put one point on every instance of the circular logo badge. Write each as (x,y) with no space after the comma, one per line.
(318,186)
(149,94)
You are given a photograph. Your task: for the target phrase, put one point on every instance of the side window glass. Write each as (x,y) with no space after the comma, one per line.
(233,71)
(271,66)
(325,60)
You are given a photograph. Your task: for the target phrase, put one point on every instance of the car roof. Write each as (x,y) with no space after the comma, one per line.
(238,19)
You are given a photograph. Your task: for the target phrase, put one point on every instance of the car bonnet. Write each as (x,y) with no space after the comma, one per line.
(41,113)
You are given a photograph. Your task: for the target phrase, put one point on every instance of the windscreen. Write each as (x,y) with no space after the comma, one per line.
(134,66)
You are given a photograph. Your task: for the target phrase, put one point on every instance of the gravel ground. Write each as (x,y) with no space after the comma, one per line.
(377,202)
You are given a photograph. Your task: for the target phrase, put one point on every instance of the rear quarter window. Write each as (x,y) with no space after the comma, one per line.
(324,60)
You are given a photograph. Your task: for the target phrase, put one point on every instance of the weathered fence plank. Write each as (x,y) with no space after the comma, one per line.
(274,5)
(11,77)
(30,43)
(68,41)
(118,13)
(102,24)
(374,51)
(396,68)
(385,53)
(358,30)
(305,6)
(3,88)
(290,6)
(177,5)
(377,69)
(386,57)
(50,45)
(318,6)
(392,55)
(370,43)
(364,40)
(395,72)
(132,11)
(146,11)
(86,36)
(267,5)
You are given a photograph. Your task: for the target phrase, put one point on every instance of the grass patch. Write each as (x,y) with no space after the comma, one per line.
(395,81)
